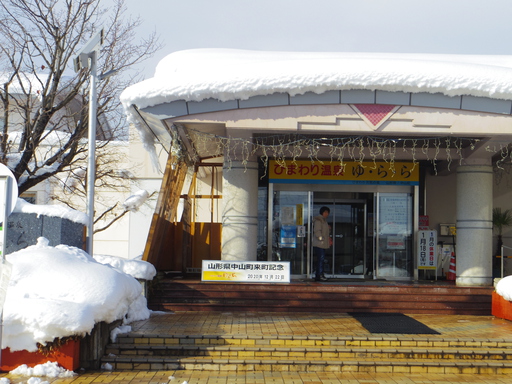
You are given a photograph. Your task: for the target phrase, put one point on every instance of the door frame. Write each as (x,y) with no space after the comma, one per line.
(355,188)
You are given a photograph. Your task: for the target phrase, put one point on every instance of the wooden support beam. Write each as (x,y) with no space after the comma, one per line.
(166,209)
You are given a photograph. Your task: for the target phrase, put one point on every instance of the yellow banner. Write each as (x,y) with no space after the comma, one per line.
(221,276)
(350,172)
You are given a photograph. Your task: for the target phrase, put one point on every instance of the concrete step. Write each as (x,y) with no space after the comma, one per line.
(237,352)
(371,341)
(404,354)
(310,365)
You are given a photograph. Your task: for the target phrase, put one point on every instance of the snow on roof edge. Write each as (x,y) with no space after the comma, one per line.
(227,74)
(230,74)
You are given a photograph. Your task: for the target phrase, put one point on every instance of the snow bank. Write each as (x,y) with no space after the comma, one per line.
(51,210)
(62,291)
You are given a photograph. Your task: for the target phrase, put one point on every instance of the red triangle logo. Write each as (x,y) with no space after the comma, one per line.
(375,113)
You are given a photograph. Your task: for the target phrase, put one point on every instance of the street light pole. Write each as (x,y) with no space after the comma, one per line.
(91,166)
(87,58)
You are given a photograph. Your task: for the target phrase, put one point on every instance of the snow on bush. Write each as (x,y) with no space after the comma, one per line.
(504,288)
(136,268)
(61,291)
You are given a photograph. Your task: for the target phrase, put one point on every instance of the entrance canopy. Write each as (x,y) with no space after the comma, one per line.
(228,114)
(328,98)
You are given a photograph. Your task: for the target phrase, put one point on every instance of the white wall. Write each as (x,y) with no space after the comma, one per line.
(441,195)
(502,189)
(148,178)
(441,204)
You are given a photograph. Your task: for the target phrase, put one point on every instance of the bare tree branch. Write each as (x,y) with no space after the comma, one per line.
(44,103)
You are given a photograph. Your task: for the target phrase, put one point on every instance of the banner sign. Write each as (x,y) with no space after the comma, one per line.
(427,249)
(350,172)
(246,271)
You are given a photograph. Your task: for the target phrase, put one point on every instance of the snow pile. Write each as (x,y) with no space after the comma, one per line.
(48,369)
(228,74)
(62,291)
(137,268)
(51,210)
(504,288)
(119,331)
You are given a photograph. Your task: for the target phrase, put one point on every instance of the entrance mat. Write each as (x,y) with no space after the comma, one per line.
(392,323)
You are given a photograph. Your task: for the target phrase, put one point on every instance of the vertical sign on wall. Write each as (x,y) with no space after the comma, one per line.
(427,249)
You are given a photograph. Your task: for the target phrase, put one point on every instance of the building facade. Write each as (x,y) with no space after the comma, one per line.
(395,145)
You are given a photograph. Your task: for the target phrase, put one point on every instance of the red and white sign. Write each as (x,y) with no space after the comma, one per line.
(424,223)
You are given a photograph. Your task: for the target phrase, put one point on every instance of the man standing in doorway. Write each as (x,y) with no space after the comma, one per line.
(321,241)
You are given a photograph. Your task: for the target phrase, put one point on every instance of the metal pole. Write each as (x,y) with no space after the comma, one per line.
(91,167)
(502,261)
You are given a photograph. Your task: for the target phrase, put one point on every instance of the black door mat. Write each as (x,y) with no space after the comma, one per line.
(392,323)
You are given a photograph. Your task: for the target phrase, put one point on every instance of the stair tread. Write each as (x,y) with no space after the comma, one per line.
(274,360)
(479,349)
(371,338)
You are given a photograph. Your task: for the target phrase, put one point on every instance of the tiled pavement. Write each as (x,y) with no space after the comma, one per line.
(297,324)
(311,324)
(203,377)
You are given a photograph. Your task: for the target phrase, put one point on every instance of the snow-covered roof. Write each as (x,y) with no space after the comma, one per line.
(227,74)
(25,83)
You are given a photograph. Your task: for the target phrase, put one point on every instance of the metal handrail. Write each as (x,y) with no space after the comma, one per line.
(502,258)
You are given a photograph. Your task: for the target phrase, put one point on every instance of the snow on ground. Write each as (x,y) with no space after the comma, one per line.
(48,369)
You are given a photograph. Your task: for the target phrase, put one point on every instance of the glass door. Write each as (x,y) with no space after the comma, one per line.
(394,240)
(372,232)
(347,257)
(290,229)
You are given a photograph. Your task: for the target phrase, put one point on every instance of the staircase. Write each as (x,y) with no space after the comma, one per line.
(382,354)
(338,296)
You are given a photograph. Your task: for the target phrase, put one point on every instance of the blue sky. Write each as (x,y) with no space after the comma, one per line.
(433,26)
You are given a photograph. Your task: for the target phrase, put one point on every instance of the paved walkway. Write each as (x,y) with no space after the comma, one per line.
(202,377)
(314,324)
